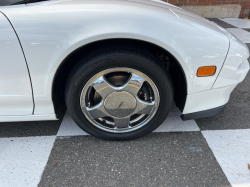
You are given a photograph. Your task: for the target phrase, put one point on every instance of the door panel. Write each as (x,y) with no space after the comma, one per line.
(15,87)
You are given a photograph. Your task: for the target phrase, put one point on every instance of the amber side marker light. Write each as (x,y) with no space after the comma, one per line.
(206,71)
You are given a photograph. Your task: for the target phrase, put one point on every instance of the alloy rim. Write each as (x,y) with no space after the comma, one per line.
(119,100)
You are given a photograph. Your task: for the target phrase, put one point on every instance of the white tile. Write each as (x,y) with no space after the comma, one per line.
(69,128)
(232,151)
(22,160)
(173,123)
(240,23)
(241,34)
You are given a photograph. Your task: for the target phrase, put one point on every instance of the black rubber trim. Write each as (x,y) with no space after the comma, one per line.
(203,114)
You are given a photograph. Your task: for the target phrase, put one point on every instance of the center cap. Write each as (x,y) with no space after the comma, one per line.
(120,104)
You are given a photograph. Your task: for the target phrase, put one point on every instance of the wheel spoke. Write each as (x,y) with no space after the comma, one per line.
(144,107)
(121,107)
(97,111)
(103,87)
(134,84)
(122,122)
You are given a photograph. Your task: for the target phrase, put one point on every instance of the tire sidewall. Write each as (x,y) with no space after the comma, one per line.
(89,68)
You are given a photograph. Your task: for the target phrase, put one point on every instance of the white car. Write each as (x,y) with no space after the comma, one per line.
(117,65)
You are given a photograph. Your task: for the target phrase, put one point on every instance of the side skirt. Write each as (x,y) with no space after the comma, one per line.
(46,117)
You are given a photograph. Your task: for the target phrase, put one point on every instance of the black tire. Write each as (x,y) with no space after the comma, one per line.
(118,57)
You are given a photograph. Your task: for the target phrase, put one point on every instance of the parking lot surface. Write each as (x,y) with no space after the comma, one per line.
(212,151)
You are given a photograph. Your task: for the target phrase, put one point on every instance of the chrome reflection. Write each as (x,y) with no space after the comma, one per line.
(119,107)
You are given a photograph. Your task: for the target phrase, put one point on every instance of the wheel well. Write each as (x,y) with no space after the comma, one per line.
(173,66)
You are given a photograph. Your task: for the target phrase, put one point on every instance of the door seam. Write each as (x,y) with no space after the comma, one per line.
(25,62)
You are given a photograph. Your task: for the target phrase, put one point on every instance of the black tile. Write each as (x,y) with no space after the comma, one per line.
(248,30)
(34,128)
(159,159)
(236,114)
(221,23)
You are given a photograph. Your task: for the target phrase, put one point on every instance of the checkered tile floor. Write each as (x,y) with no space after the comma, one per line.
(207,152)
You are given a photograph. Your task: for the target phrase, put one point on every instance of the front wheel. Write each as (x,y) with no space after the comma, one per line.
(119,94)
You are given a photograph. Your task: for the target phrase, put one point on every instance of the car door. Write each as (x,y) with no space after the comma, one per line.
(15,86)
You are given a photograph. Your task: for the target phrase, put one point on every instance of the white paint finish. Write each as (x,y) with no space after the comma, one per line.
(207,100)
(232,151)
(49,35)
(243,70)
(240,23)
(173,123)
(45,117)
(15,87)
(241,34)
(236,65)
(215,57)
(22,160)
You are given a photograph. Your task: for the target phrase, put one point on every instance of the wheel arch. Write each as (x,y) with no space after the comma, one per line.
(173,65)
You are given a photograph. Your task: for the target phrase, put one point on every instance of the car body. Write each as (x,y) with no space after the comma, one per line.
(38,39)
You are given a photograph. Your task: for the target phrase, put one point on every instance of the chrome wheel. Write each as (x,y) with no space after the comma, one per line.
(119,100)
